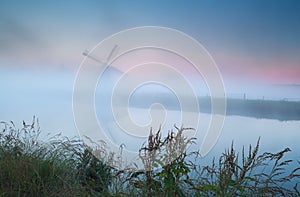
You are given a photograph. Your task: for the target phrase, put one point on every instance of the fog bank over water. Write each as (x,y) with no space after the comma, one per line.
(47,93)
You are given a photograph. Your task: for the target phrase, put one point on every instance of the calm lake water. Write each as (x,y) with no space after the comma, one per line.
(274,135)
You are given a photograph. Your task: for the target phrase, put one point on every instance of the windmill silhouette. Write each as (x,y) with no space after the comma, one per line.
(108,70)
(112,52)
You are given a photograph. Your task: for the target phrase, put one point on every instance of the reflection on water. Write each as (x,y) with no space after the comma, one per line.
(275,135)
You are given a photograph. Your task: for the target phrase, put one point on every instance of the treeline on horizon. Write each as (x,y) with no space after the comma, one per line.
(60,166)
(268,109)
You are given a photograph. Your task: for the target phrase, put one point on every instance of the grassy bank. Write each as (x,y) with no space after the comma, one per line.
(60,166)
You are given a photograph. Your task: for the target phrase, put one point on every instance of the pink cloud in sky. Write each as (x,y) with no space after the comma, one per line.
(259,68)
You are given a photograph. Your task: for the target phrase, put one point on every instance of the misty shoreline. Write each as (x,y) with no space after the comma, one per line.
(262,109)
(281,110)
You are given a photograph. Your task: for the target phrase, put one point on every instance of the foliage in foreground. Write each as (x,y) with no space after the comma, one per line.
(60,167)
(63,167)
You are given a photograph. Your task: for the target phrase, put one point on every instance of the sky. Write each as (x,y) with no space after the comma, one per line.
(250,40)
(253,43)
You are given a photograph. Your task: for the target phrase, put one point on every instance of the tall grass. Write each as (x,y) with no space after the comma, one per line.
(60,166)
(57,167)
(250,174)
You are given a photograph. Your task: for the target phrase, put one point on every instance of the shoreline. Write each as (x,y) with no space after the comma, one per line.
(281,110)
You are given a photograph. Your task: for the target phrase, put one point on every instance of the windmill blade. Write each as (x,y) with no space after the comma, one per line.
(112,53)
(86,53)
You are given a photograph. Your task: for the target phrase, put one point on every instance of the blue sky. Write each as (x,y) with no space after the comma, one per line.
(253,40)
